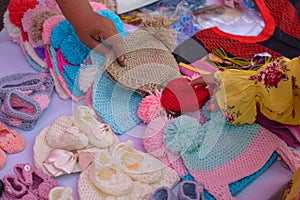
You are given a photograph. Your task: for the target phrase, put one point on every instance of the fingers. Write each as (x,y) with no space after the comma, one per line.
(198,82)
(95,45)
(116,42)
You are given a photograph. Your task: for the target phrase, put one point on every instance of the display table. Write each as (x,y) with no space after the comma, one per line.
(12,60)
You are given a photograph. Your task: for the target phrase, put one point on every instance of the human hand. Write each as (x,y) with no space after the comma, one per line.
(92,28)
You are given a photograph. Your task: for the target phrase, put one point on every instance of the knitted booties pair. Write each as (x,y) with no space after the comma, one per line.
(27,183)
(124,173)
(23,97)
(187,190)
(77,138)
(10,142)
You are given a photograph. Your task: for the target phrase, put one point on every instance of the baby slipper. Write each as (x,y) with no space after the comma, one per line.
(108,179)
(188,190)
(14,187)
(2,160)
(99,134)
(163,193)
(38,183)
(61,193)
(10,140)
(63,134)
(21,82)
(22,124)
(21,106)
(137,165)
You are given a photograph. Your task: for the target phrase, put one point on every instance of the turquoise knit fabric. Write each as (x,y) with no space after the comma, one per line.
(116,106)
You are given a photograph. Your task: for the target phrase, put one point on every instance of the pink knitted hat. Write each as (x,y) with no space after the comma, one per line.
(214,160)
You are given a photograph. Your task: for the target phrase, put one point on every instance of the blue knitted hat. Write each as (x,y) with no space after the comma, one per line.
(116,105)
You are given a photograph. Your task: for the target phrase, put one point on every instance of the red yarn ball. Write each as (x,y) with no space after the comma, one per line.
(17,8)
(180,96)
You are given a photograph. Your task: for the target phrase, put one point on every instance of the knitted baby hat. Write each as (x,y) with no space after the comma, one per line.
(214,160)
(149,62)
(180,96)
(115,105)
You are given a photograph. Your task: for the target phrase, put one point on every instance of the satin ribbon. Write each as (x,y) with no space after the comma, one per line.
(61,161)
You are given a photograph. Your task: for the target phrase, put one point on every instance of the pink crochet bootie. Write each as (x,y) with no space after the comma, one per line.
(37,182)
(10,140)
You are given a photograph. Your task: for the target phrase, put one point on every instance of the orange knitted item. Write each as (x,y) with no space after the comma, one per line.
(10,140)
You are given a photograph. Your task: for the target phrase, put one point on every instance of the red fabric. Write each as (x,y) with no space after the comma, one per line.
(180,96)
(279,13)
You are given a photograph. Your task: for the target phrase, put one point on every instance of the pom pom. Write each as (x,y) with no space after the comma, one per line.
(150,107)
(52,5)
(153,137)
(12,30)
(29,15)
(180,96)
(17,8)
(48,26)
(183,134)
(74,50)
(60,32)
(37,24)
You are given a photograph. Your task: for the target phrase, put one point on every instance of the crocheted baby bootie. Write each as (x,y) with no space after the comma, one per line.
(137,165)
(108,179)
(61,193)
(2,158)
(10,140)
(180,96)
(99,134)
(188,190)
(63,134)
(38,183)
(20,106)
(163,193)
(13,189)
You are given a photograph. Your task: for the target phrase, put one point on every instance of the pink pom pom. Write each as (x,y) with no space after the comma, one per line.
(29,15)
(52,5)
(150,107)
(98,6)
(48,25)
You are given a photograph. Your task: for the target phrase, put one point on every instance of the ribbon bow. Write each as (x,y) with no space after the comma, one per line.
(61,161)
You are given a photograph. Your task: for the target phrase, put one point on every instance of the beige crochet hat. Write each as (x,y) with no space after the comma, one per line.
(150,64)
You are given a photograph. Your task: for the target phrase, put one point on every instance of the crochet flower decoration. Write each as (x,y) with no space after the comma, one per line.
(63,36)
(183,134)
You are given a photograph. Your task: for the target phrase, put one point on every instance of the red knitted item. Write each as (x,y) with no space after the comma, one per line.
(17,8)
(180,96)
(279,13)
